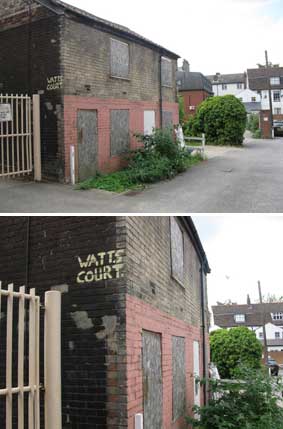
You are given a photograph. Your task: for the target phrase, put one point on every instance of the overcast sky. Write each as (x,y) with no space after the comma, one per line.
(226,36)
(242,249)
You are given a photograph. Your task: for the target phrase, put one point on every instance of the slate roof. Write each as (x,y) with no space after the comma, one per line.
(227,78)
(189,81)
(224,314)
(253,106)
(60,7)
(259,79)
(274,342)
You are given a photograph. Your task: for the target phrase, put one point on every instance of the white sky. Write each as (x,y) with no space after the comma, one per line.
(226,36)
(242,249)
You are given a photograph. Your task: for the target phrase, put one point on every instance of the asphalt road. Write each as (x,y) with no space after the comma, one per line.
(246,180)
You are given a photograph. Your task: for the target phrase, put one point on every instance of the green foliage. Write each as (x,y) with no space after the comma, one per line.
(160,158)
(230,348)
(257,134)
(222,119)
(255,402)
(253,122)
(181,109)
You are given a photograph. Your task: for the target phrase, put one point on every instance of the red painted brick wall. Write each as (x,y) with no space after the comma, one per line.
(142,316)
(106,163)
(193,98)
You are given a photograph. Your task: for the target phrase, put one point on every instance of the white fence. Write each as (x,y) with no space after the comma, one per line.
(201,148)
(20,136)
(28,375)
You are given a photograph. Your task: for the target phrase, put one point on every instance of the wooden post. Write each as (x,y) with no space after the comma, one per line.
(36,138)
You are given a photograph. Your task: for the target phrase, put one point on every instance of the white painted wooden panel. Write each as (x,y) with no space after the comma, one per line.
(196,373)
(149,121)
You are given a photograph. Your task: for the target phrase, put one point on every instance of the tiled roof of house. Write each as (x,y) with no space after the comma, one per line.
(224,315)
(273,342)
(253,106)
(193,81)
(124,31)
(259,79)
(219,78)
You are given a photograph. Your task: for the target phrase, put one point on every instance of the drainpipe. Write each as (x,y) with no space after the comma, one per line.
(203,328)
(27,251)
(160,92)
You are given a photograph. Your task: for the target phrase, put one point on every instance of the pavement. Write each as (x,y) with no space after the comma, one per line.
(231,180)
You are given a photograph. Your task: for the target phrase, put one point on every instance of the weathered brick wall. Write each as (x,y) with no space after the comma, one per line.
(29,57)
(193,98)
(93,314)
(86,58)
(148,254)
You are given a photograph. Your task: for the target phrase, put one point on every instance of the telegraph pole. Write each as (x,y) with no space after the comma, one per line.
(265,351)
(270,95)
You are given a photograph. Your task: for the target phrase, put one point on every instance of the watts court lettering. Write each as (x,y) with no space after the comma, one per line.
(101,266)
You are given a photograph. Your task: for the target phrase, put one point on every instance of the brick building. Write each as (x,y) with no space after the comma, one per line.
(99,83)
(134,312)
(193,87)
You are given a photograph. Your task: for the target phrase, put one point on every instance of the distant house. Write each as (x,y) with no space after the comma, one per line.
(228,84)
(251,100)
(193,87)
(254,316)
(99,83)
(262,79)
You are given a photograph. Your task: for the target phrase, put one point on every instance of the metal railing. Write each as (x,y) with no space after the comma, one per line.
(27,350)
(19,136)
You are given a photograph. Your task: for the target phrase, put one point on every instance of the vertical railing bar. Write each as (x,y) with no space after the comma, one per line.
(9,345)
(37,364)
(17,132)
(2,140)
(21,134)
(12,132)
(21,354)
(30,137)
(31,358)
(7,141)
(26,133)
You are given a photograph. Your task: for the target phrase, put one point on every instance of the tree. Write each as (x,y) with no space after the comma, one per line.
(235,347)
(181,109)
(222,119)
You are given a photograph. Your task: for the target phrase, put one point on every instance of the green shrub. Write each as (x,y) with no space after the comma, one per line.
(222,119)
(181,109)
(253,122)
(232,347)
(252,403)
(257,134)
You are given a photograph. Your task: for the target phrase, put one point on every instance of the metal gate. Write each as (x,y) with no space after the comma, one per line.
(20,359)
(19,136)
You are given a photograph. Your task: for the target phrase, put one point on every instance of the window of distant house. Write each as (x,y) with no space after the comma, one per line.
(241,98)
(224,86)
(277,316)
(240,318)
(253,99)
(177,250)
(261,335)
(239,85)
(166,72)
(120,59)
(277,111)
(277,334)
(276,96)
(275,80)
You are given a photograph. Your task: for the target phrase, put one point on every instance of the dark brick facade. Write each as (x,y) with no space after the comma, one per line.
(58,54)
(106,307)
(192,99)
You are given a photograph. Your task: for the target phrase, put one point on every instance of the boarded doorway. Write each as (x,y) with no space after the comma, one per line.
(152,380)
(196,374)
(87,144)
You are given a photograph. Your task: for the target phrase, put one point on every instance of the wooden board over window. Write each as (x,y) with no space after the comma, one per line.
(167,72)
(179,377)
(177,250)
(120,134)
(120,59)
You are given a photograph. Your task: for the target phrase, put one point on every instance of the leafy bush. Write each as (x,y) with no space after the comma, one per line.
(230,348)
(222,119)
(257,134)
(160,158)
(253,123)
(182,113)
(255,402)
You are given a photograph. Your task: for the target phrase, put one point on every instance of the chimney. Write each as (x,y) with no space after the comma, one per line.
(186,66)
(248,300)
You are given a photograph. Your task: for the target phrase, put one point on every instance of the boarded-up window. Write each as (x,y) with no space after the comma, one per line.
(166,72)
(179,377)
(120,59)
(177,250)
(167,119)
(120,135)
(149,122)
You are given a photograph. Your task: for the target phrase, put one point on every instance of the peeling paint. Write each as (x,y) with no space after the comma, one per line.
(71,345)
(109,332)
(82,320)
(61,288)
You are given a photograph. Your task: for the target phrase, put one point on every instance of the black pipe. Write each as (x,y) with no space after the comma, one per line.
(29,86)
(203,327)
(160,92)
(27,251)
